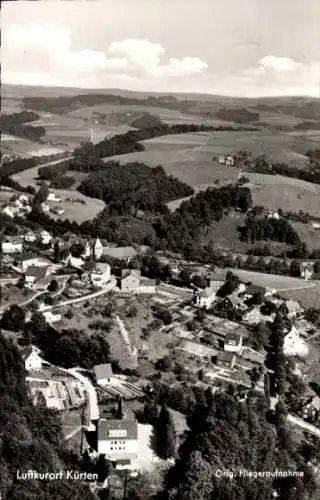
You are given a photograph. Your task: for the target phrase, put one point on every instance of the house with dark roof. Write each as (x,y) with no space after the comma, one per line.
(226,359)
(103,373)
(35,274)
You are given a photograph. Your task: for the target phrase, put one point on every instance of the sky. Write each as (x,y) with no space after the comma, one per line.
(245,48)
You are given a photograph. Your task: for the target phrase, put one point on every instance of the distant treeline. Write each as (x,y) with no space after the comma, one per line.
(64,104)
(14,124)
(305,108)
(308,174)
(240,115)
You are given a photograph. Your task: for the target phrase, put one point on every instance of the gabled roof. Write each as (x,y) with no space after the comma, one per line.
(226,356)
(105,426)
(103,371)
(36,271)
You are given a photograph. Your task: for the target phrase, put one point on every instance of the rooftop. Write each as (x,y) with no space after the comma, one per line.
(103,371)
(226,356)
(36,271)
(105,426)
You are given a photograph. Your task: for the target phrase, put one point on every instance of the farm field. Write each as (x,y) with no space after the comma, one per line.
(307,234)
(126,113)
(277,146)
(280,283)
(291,195)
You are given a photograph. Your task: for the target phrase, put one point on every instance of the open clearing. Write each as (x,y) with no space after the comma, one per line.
(280,283)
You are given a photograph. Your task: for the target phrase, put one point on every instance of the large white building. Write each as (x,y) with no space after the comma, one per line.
(118,440)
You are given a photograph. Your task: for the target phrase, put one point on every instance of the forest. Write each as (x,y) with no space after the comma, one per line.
(15,124)
(133,185)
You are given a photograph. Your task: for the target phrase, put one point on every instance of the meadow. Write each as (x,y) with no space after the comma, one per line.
(307,234)
(291,195)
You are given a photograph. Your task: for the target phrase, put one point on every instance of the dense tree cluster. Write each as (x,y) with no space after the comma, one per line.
(67,348)
(146,120)
(133,186)
(265,228)
(164,434)
(52,172)
(62,182)
(239,115)
(15,124)
(228,436)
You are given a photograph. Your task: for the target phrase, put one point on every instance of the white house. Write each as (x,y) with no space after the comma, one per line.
(233,342)
(53,197)
(30,237)
(205,298)
(31,358)
(11,245)
(45,237)
(51,317)
(97,249)
(222,159)
(294,345)
(229,161)
(101,274)
(75,262)
(118,441)
(45,207)
(10,211)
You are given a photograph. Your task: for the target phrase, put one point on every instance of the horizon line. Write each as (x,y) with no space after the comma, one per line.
(264,96)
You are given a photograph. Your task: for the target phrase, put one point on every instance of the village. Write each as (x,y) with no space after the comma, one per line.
(199,324)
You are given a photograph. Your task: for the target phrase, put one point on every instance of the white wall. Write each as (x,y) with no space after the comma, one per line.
(130,447)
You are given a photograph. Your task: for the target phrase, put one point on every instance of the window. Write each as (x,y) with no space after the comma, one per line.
(118,433)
